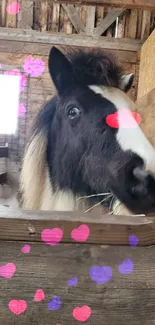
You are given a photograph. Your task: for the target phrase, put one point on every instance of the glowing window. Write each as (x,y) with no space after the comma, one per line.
(9,103)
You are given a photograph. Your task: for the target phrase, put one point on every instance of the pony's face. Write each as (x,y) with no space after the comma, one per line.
(85,154)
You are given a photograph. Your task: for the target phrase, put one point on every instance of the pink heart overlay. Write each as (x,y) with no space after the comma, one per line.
(13,8)
(7,271)
(39,295)
(82,314)
(26,249)
(52,236)
(33,67)
(17,306)
(81,233)
(22,110)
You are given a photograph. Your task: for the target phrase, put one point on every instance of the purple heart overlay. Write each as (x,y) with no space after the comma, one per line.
(73,282)
(133,240)
(55,303)
(126,267)
(100,274)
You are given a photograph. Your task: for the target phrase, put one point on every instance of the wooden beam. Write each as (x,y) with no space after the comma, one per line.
(90,20)
(104,230)
(43,50)
(129,4)
(74,17)
(107,22)
(30,36)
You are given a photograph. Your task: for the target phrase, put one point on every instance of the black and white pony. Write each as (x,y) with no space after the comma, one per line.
(74,160)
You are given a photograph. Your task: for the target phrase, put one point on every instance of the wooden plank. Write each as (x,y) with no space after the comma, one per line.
(122,299)
(43,50)
(25,15)
(3,13)
(43,16)
(55,17)
(74,17)
(133,4)
(121,26)
(146,21)
(90,20)
(27,225)
(11,34)
(107,22)
(132,24)
(11,20)
(147,66)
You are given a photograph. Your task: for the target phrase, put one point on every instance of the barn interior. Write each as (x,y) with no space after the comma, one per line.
(104,272)
(29,28)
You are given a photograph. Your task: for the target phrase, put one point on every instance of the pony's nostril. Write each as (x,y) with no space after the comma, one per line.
(139,190)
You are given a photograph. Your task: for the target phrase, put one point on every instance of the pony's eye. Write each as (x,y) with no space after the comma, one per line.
(73,112)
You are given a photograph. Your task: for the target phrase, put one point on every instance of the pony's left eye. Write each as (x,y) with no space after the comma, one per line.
(73,112)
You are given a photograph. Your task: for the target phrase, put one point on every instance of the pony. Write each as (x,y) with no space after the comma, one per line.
(74,161)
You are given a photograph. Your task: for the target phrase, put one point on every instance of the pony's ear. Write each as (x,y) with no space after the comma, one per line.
(60,69)
(126,82)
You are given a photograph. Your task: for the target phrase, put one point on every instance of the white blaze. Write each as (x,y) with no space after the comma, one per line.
(129,138)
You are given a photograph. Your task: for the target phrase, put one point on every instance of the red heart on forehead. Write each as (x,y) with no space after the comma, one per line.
(123,118)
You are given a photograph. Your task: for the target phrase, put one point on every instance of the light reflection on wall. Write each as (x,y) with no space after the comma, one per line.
(9,103)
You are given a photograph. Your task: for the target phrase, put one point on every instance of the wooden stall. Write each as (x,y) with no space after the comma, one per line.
(64,268)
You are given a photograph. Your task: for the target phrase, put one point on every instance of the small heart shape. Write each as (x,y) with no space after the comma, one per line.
(81,233)
(73,282)
(17,306)
(100,274)
(26,249)
(33,67)
(126,267)
(133,240)
(8,270)
(124,119)
(39,295)
(13,8)
(82,314)
(52,236)
(55,303)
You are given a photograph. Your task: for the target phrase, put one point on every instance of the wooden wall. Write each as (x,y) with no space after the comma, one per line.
(147,66)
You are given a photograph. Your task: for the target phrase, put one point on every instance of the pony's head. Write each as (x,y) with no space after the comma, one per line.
(84,154)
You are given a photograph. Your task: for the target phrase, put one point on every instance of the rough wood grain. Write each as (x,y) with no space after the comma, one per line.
(55,17)
(74,17)
(25,15)
(117,302)
(90,20)
(139,4)
(43,16)
(147,66)
(43,50)
(107,22)
(132,24)
(3,13)
(11,20)
(11,34)
(27,225)
(145,31)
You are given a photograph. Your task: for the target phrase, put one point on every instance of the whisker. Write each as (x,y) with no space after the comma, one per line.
(93,195)
(97,204)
